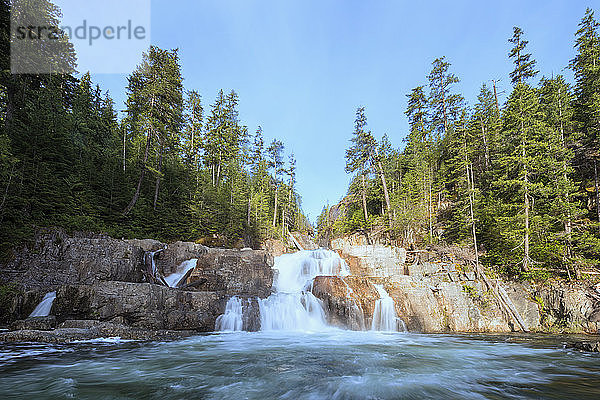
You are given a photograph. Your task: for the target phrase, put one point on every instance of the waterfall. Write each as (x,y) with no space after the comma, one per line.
(293,306)
(232,319)
(174,279)
(43,309)
(384,317)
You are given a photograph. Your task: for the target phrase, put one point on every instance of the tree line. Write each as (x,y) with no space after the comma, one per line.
(172,168)
(517,182)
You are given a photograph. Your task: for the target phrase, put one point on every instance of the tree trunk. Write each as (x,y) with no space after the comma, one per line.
(136,196)
(526,258)
(142,174)
(275,210)
(160,159)
(430,207)
(597,187)
(364,199)
(526,195)
(385,189)
(496,98)
(249,208)
(567,223)
(485,144)
(473,227)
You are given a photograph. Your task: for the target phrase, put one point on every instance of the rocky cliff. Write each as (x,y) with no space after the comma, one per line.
(437,291)
(104,279)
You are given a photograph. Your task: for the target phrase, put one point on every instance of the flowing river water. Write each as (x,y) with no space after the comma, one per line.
(297,356)
(331,364)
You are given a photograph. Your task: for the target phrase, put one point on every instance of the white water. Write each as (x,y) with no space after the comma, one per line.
(183,269)
(293,306)
(43,309)
(384,317)
(232,319)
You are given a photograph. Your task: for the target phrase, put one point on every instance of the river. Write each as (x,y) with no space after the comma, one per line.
(330,364)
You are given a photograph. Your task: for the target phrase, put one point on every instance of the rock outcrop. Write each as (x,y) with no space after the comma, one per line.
(54,258)
(349,301)
(437,291)
(142,305)
(102,279)
(243,273)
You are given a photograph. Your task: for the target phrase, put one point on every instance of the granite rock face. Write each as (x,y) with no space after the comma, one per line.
(100,278)
(436,290)
(143,305)
(244,273)
(572,308)
(349,301)
(55,258)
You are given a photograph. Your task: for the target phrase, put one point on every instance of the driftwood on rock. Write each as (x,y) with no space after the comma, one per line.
(194,284)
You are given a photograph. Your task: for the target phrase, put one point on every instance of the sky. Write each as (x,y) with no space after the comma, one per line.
(301,68)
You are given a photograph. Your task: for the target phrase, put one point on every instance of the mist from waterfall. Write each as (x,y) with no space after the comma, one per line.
(43,309)
(293,306)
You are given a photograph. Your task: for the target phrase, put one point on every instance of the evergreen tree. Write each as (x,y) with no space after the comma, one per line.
(359,155)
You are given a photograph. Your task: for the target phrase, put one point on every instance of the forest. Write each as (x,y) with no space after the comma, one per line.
(517,182)
(171,168)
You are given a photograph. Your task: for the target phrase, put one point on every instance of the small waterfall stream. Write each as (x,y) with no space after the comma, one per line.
(174,279)
(43,309)
(232,319)
(384,317)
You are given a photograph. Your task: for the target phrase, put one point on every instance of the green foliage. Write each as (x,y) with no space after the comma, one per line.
(518,182)
(168,170)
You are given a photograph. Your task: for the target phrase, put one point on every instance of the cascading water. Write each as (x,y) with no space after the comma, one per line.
(173,279)
(43,309)
(384,317)
(232,319)
(293,306)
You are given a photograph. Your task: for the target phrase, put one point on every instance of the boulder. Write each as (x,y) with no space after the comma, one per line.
(593,347)
(349,302)
(245,273)
(174,254)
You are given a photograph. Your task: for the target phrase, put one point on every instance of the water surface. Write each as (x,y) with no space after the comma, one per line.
(334,364)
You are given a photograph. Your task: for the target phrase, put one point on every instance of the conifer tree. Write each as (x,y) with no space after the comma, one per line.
(359,155)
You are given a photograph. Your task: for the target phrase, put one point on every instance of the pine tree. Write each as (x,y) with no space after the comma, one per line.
(586,66)
(359,155)
(443,103)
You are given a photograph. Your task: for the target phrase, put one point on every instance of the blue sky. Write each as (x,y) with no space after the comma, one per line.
(302,67)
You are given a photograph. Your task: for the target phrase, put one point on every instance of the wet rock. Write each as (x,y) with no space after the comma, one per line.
(174,254)
(250,315)
(35,323)
(71,331)
(593,347)
(349,302)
